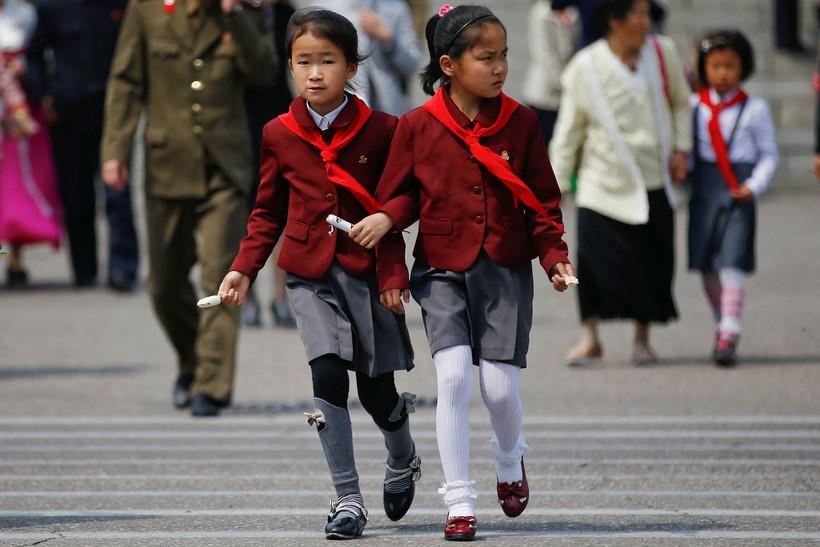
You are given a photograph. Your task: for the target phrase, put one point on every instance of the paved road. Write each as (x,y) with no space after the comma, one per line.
(678,453)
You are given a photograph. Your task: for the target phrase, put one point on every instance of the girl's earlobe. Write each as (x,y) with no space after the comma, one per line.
(446,64)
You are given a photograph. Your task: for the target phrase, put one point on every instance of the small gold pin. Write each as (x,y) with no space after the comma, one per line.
(362,159)
(505,155)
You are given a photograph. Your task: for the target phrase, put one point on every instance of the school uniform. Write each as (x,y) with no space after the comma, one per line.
(332,282)
(472,275)
(722,230)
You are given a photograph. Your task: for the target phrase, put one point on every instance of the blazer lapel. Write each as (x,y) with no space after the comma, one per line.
(210,32)
(179,26)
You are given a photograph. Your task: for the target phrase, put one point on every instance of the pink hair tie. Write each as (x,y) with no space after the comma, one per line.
(444,10)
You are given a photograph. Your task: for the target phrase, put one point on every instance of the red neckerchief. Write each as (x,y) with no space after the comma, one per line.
(494,163)
(329,152)
(718,144)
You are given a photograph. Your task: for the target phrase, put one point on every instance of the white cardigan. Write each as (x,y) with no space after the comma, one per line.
(581,141)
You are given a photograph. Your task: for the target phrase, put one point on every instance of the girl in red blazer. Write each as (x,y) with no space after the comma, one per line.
(324,157)
(471,166)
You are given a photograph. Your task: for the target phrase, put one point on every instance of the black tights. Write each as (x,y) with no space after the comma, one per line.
(378,395)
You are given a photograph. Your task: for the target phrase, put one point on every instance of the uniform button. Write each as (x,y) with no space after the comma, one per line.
(198,63)
(476,189)
(479,219)
(196,85)
(329,198)
(196,108)
(197,129)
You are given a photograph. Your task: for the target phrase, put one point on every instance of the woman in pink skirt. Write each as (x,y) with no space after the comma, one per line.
(29,200)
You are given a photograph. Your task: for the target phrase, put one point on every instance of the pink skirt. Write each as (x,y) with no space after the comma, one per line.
(30,210)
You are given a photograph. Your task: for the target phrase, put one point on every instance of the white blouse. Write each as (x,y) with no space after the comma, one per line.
(754,141)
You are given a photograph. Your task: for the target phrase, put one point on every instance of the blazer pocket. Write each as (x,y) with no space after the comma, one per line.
(156,137)
(163,49)
(513,222)
(297,230)
(436,226)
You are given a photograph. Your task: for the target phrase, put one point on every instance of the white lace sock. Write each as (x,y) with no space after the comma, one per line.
(732,298)
(499,389)
(454,376)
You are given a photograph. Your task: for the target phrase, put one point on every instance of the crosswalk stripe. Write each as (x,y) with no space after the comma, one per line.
(416,511)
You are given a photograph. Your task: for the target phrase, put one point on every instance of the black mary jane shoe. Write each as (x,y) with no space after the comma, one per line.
(345,526)
(396,504)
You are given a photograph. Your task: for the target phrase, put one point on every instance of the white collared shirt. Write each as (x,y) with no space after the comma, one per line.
(754,140)
(324,122)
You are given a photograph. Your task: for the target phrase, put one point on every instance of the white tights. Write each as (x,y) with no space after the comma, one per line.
(499,390)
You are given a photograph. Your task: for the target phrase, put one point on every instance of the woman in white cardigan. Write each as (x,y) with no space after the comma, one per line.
(624,126)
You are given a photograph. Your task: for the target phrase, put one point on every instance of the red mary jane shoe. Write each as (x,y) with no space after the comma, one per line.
(459,528)
(514,496)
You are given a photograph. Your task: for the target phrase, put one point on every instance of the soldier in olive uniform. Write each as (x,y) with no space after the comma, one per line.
(185,63)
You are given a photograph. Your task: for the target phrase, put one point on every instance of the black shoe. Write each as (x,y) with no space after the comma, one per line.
(346,519)
(85,282)
(120,282)
(202,405)
(182,392)
(725,352)
(396,504)
(282,315)
(16,278)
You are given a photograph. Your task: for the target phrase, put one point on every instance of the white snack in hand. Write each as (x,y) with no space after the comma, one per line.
(339,223)
(571,281)
(210,301)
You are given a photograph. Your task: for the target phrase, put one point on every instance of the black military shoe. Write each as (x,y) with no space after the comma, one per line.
(182,392)
(400,488)
(347,518)
(202,405)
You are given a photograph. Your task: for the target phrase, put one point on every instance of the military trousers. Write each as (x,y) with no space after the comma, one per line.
(181,234)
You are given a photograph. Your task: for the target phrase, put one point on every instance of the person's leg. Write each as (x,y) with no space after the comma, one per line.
(712,289)
(642,353)
(454,377)
(589,346)
(123,250)
(75,174)
(16,275)
(390,413)
(220,224)
(732,299)
(330,391)
(499,390)
(171,255)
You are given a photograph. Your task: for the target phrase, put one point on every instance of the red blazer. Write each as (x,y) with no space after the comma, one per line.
(430,176)
(295,196)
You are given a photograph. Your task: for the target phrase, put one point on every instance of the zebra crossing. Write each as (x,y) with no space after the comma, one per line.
(261,480)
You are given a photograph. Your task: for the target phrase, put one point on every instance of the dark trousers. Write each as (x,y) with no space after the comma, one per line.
(787,24)
(76,148)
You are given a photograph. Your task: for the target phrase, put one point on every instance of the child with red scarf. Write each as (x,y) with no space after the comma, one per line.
(735,157)
(325,157)
(471,166)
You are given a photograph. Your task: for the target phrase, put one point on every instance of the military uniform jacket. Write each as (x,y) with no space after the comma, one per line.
(191,87)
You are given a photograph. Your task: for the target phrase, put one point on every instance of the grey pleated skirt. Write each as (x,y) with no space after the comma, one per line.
(721,230)
(341,314)
(487,307)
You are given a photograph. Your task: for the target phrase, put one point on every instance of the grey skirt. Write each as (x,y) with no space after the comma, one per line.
(487,307)
(721,230)
(341,314)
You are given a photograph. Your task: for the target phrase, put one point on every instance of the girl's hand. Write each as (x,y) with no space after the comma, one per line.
(373,25)
(392,300)
(559,274)
(743,194)
(677,167)
(234,288)
(368,231)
